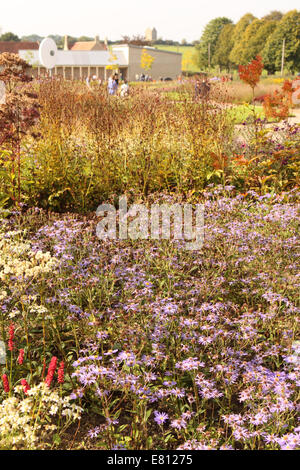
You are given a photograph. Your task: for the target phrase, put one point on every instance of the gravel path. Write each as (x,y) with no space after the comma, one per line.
(296,119)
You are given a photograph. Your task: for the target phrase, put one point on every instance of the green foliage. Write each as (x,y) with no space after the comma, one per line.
(237,36)
(258,40)
(289,29)
(9,37)
(254,40)
(208,39)
(87,150)
(224,47)
(275,15)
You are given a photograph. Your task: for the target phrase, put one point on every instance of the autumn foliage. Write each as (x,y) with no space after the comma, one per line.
(251,72)
(277,104)
(18,115)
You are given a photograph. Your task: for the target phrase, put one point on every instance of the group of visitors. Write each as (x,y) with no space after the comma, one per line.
(143,78)
(113,87)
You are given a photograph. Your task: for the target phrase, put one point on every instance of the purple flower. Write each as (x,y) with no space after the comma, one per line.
(160,418)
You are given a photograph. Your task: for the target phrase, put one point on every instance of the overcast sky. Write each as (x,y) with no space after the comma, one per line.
(173,19)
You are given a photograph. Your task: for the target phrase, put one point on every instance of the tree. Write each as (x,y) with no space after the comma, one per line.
(9,37)
(135,40)
(85,39)
(254,40)
(224,47)
(288,28)
(237,36)
(277,104)
(146,60)
(32,38)
(251,72)
(60,41)
(258,41)
(209,40)
(275,15)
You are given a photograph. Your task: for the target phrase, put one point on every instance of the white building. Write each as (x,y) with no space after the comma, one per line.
(76,64)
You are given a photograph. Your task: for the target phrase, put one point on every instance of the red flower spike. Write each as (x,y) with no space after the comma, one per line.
(11,337)
(21,356)
(51,370)
(60,373)
(26,387)
(5,383)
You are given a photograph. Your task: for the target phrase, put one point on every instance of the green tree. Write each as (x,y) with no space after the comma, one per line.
(275,15)
(254,40)
(9,37)
(224,47)
(288,28)
(32,38)
(237,37)
(208,41)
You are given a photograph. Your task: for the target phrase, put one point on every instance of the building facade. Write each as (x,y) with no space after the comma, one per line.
(151,34)
(126,58)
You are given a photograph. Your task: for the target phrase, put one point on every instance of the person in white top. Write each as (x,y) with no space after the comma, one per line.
(124,89)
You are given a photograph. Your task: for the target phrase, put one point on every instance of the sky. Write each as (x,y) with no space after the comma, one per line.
(173,19)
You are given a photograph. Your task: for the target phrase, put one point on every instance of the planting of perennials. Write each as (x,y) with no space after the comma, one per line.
(141,344)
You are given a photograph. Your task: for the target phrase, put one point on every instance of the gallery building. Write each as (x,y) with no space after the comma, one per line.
(96,59)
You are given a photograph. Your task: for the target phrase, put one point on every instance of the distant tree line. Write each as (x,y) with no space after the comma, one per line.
(229,45)
(136,40)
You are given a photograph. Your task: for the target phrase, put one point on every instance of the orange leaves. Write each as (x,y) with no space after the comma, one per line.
(219,162)
(277,104)
(240,160)
(251,73)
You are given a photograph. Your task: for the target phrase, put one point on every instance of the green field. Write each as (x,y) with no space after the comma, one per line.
(187,56)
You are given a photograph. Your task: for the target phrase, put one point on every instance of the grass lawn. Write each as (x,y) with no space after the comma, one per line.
(242,112)
(187,56)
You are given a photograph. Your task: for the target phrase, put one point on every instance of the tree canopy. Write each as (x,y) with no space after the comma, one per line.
(233,45)
(288,29)
(237,36)
(254,39)
(209,40)
(9,37)
(275,15)
(224,47)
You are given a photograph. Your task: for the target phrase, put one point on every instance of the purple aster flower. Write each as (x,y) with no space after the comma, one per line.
(160,418)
